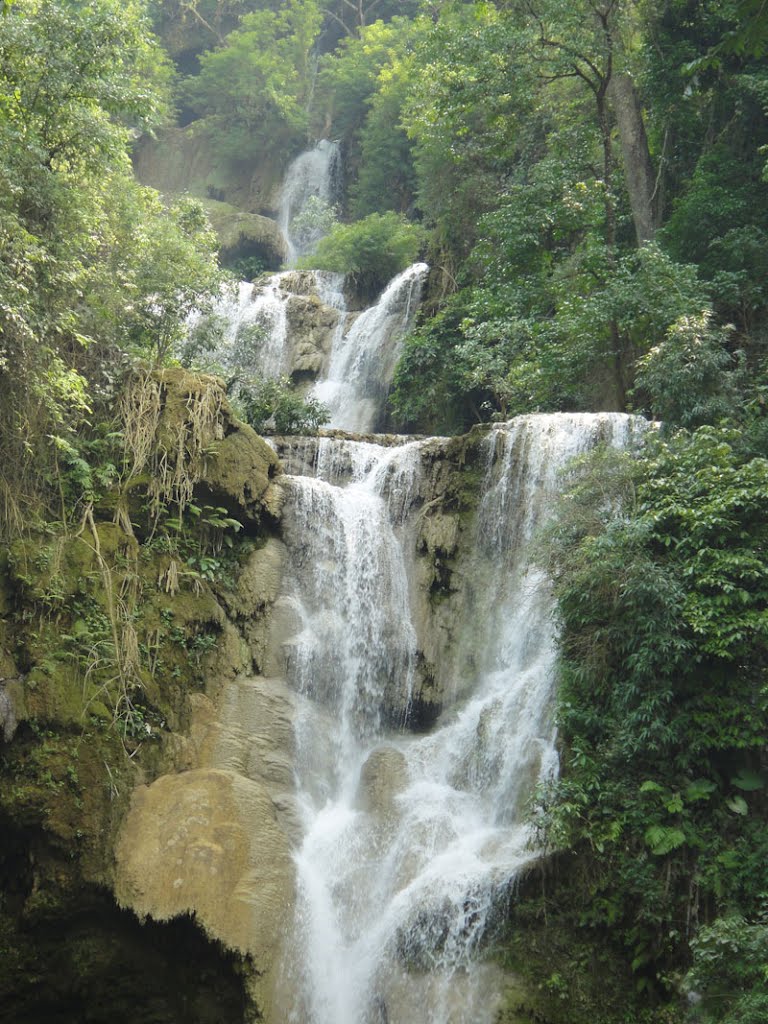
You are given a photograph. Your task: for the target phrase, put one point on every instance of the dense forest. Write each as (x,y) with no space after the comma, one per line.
(588,181)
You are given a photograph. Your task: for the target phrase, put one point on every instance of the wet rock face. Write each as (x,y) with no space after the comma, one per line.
(189,160)
(311,324)
(383,776)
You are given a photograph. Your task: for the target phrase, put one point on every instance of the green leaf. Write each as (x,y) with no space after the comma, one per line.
(737,804)
(748,781)
(700,789)
(663,840)
(649,786)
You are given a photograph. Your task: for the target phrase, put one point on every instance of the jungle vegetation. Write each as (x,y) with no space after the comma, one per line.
(587,180)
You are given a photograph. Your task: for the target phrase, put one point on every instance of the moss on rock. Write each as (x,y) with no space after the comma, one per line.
(246,236)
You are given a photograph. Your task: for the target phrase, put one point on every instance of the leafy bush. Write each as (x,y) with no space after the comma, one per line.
(272,406)
(369,251)
(690,377)
(662,585)
(728,978)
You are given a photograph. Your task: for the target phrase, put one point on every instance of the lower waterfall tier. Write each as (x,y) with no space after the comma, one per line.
(410,843)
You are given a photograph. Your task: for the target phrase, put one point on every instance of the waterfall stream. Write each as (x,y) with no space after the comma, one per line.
(362,360)
(411,842)
(357,355)
(314,173)
(407,842)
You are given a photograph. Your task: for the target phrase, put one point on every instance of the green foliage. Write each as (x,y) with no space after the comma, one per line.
(386,180)
(254,87)
(174,275)
(690,378)
(350,76)
(370,251)
(465,115)
(728,975)
(91,265)
(719,222)
(429,386)
(662,586)
(272,406)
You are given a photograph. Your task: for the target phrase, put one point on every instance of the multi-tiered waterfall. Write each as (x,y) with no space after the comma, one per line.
(410,842)
(297,323)
(412,640)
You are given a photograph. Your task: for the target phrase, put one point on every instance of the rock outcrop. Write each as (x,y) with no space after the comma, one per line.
(207,842)
(246,237)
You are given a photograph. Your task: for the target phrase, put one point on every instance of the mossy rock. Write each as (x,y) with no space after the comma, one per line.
(245,235)
(240,477)
(52,570)
(238,468)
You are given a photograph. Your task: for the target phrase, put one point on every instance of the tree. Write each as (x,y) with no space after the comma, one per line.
(76,235)
(662,587)
(585,42)
(370,251)
(353,16)
(255,86)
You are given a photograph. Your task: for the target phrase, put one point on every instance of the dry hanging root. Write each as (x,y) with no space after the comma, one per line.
(140,408)
(120,605)
(170,444)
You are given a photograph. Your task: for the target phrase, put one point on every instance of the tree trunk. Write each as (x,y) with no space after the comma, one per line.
(638,169)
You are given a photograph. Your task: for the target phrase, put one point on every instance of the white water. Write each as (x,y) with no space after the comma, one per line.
(251,329)
(411,843)
(362,361)
(315,172)
(255,338)
(251,323)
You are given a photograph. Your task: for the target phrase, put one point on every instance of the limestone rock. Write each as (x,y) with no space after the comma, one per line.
(311,325)
(241,233)
(240,476)
(383,776)
(10,699)
(255,736)
(207,842)
(258,584)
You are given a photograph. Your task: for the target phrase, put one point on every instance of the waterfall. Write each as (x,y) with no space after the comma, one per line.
(411,842)
(270,328)
(247,331)
(255,338)
(314,173)
(362,360)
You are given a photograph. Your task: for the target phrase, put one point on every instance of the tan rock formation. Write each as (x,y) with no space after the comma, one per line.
(383,776)
(207,842)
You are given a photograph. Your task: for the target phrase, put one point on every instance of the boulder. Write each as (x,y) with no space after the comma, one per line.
(243,234)
(382,777)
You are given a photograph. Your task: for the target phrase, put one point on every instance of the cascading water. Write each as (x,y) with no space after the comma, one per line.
(362,360)
(250,322)
(248,331)
(410,842)
(316,174)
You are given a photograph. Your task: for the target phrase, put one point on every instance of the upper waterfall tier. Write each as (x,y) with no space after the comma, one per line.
(363,359)
(410,566)
(315,173)
(296,323)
